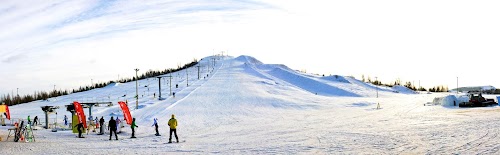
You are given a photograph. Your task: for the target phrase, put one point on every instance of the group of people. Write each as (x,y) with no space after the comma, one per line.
(35,121)
(172,123)
(113,125)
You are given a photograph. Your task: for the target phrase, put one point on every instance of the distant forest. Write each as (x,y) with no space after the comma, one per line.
(408,85)
(44,95)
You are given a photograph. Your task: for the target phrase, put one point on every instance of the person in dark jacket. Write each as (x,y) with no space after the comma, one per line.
(79,127)
(133,126)
(65,120)
(112,128)
(101,122)
(35,121)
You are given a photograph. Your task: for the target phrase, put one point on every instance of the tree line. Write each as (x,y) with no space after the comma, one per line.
(408,85)
(44,95)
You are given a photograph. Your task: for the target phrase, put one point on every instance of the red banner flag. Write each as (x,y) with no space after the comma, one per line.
(80,114)
(126,112)
(7,111)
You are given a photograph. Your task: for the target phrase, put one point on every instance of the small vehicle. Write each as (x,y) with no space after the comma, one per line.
(477,100)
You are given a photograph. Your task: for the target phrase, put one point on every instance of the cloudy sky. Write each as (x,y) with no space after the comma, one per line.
(68,43)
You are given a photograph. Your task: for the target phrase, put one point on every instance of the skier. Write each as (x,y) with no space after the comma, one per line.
(173,94)
(96,122)
(133,126)
(154,95)
(173,128)
(101,122)
(112,128)
(35,121)
(79,127)
(65,120)
(156,126)
(118,121)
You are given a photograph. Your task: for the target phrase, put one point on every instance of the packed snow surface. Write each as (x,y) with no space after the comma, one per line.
(243,106)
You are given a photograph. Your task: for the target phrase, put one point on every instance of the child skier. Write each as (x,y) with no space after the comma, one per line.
(156,126)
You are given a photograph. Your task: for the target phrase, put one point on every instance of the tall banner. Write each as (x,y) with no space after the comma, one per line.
(5,109)
(126,112)
(80,114)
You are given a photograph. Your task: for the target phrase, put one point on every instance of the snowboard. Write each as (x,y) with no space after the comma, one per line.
(19,132)
(29,133)
(173,142)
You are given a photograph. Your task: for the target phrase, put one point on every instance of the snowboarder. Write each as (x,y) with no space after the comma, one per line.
(173,128)
(156,126)
(112,128)
(35,121)
(79,127)
(133,126)
(29,120)
(101,122)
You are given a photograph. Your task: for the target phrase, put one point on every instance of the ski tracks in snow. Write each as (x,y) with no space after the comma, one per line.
(161,107)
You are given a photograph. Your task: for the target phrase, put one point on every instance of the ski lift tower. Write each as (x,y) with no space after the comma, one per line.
(71,107)
(91,104)
(159,85)
(48,110)
(159,88)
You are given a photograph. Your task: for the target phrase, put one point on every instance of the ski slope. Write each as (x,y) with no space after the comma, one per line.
(245,106)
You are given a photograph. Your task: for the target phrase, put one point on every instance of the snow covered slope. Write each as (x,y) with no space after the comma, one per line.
(245,106)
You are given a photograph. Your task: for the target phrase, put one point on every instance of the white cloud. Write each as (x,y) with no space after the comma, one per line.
(69,42)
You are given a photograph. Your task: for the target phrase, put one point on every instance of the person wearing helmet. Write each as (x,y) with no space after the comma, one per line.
(173,128)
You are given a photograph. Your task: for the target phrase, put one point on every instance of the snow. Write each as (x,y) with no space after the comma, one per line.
(447,101)
(247,107)
(403,89)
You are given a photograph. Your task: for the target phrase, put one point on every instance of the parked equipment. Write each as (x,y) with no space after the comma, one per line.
(477,100)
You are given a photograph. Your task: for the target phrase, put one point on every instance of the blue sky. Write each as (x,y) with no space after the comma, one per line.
(68,43)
